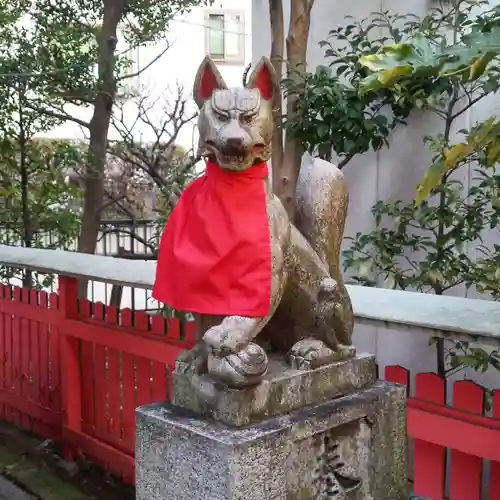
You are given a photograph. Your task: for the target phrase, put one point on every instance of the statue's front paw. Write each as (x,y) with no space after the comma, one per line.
(223,341)
(344,352)
(309,354)
(193,360)
(240,370)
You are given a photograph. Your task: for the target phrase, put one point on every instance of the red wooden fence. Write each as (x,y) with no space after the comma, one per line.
(74,372)
(471,437)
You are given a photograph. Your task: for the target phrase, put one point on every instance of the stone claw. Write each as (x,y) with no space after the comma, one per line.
(309,354)
(243,369)
(344,352)
(299,363)
(222,341)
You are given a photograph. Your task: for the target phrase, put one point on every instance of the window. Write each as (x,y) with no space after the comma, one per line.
(128,65)
(225,36)
(125,54)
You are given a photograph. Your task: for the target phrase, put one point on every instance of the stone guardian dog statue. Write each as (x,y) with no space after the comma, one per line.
(255,282)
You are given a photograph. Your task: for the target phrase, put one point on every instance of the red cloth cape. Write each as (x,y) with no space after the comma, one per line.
(215,252)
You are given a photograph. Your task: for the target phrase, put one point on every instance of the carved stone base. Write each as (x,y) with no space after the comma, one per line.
(282,390)
(352,447)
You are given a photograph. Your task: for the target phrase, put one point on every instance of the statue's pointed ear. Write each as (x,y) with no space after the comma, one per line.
(264,78)
(207,80)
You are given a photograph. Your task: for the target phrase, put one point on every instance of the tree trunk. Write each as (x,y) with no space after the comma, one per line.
(285,180)
(277,48)
(98,128)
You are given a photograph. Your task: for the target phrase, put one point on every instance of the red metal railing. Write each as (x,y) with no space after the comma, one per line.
(74,372)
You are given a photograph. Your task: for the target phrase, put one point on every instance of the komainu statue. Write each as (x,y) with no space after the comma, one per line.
(255,282)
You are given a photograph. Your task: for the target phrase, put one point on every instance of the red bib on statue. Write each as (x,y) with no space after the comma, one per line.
(215,252)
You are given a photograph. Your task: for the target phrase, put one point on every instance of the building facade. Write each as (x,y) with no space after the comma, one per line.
(222,30)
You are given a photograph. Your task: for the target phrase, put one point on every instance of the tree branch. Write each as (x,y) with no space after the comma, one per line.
(158,159)
(345,161)
(468,106)
(140,71)
(138,238)
(112,200)
(137,256)
(455,283)
(437,111)
(58,115)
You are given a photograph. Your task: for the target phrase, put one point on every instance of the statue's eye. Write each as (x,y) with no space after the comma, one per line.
(247,118)
(221,117)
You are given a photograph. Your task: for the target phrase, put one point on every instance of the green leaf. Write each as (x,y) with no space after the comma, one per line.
(423,56)
(431,179)
(395,61)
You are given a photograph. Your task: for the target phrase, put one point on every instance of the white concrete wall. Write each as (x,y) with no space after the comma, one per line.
(391,173)
(178,66)
(387,175)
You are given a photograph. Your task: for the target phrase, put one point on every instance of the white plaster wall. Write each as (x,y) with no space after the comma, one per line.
(387,175)
(177,67)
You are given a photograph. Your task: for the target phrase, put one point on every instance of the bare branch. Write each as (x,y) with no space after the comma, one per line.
(159,161)
(467,106)
(59,115)
(112,200)
(140,164)
(138,238)
(124,209)
(140,71)
(439,112)
(345,160)
(137,256)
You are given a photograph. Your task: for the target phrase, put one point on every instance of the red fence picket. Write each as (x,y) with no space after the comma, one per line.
(466,472)
(75,371)
(463,429)
(495,465)
(29,370)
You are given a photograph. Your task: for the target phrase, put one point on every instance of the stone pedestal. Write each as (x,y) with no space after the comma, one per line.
(329,433)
